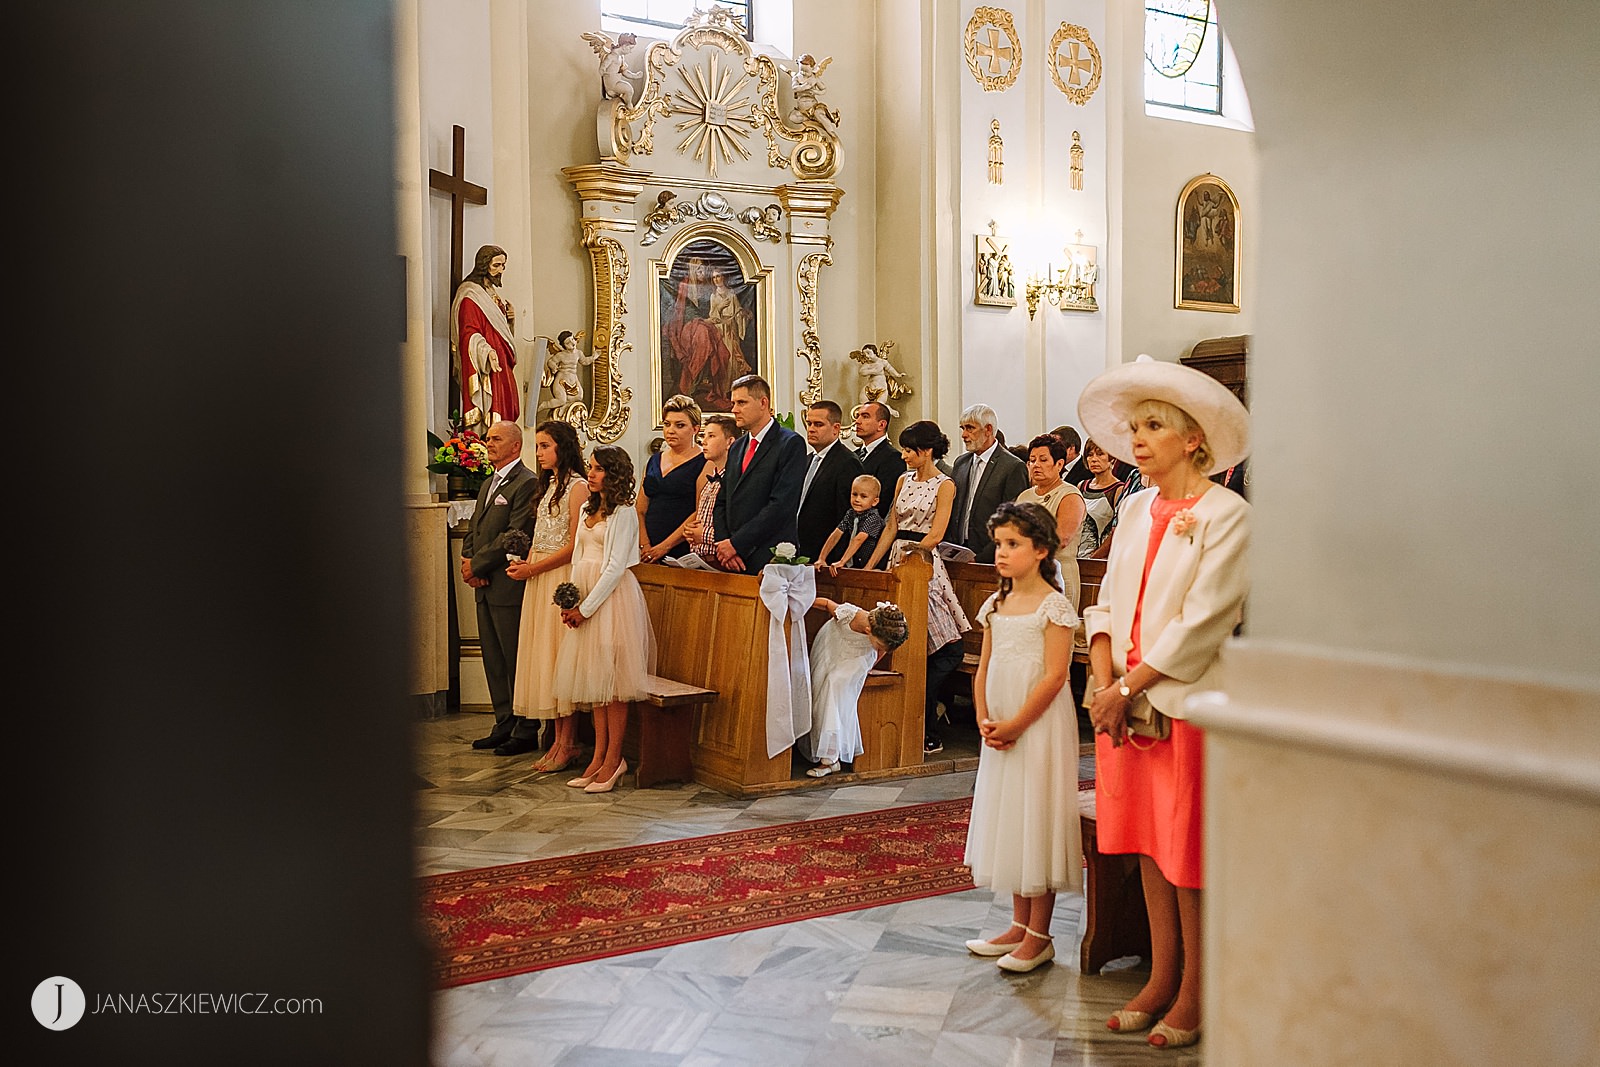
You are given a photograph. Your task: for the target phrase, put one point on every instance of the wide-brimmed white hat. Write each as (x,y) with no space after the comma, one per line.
(1107,404)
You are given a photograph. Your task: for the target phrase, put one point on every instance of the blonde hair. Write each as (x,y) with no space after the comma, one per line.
(684,404)
(1180,420)
(862,481)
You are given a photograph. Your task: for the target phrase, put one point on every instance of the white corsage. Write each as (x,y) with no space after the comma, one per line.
(783,554)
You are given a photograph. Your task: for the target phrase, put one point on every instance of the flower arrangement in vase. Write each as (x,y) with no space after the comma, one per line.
(463,459)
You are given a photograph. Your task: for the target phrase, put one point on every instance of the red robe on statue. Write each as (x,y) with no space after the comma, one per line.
(479,326)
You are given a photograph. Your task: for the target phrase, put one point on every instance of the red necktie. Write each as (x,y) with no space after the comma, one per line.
(748,453)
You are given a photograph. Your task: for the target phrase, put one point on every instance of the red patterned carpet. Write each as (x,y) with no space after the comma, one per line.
(499,921)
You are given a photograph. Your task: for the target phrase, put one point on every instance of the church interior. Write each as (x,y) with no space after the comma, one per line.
(268,736)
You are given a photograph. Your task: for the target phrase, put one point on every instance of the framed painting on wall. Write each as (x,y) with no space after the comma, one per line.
(994,282)
(1206,275)
(710,309)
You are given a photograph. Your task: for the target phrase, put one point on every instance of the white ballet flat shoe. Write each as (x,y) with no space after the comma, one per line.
(1008,962)
(980,947)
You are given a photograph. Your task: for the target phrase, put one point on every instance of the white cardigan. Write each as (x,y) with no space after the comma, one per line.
(1194,599)
(621,552)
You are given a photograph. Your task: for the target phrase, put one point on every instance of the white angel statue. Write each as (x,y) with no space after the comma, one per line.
(805,83)
(880,381)
(615,76)
(561,369)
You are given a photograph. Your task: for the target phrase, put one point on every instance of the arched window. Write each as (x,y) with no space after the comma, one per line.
(1190,73)
(662,18)
(1183,55)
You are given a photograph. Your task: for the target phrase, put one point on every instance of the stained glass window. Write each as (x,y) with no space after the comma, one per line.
(1183,55)
(662,18)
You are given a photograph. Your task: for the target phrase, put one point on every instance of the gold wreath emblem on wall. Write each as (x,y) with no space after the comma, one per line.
(1082,68)
(994,64)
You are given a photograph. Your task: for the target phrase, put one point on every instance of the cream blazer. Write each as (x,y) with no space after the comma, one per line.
(1194,599)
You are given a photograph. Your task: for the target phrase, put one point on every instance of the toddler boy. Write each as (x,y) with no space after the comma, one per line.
(859,528)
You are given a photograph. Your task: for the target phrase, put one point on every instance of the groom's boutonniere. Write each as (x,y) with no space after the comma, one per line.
(1183,524)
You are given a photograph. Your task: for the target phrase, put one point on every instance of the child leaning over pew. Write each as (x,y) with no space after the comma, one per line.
(861,525)
(844,651)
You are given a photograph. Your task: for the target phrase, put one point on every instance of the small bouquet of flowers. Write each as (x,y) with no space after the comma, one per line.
(783,554)
(567,596)
(464,455)
(516,542)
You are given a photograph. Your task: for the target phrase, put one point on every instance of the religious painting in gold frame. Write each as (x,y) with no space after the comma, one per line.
(711,318)
(1207,261)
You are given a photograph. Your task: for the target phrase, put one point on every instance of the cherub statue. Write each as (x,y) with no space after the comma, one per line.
(880,381)
(763,222)
(615,77)
(661,218)
(805,83)
(561,370)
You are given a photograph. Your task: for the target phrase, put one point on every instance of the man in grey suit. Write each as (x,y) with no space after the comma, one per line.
(986,476)
(505,502)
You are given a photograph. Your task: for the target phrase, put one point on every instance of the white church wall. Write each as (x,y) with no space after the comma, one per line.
(1157,157)
(1403,782)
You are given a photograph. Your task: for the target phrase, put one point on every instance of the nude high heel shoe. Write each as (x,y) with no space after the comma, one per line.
(610,783)
(1128,1021)
(1172,1037)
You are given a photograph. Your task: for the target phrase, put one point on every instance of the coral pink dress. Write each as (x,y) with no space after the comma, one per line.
(1150,795)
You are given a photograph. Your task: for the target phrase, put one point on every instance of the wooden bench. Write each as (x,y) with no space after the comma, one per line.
(1115,923)
(974,582)
(661,731)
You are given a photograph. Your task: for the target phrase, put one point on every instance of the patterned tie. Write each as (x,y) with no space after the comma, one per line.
(749,453)
(861,453)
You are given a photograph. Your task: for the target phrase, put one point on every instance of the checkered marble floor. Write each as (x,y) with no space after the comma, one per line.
(889,985)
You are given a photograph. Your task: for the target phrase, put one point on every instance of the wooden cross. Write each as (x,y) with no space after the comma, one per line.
(461,193)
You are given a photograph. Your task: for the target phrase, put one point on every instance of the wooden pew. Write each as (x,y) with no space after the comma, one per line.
(711,633)
(975,581)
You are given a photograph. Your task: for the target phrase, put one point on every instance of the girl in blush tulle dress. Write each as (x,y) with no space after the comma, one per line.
(609,650)
(844,651)
(562,493)
(1023,835)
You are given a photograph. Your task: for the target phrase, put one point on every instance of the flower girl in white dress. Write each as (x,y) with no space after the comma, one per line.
(844,651)
(1023,834)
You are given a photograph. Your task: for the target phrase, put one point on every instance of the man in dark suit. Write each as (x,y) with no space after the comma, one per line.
(760,492)
(878,455)
(986,476)
(1075,471)
(505,502)
(825,490)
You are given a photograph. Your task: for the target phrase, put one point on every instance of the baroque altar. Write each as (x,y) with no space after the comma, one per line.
(706,220)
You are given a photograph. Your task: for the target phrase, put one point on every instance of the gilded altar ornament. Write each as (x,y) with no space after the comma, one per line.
(810,348)
(665,215)
(763,222)
(722,102)
(1075,178)
(993,62)
(1074,63)
(997,152)
(996,283)
(605,419)
(880,380)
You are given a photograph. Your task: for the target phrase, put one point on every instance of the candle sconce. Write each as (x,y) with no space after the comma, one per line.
(1071,288)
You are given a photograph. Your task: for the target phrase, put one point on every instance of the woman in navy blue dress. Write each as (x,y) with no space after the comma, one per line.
(669,491)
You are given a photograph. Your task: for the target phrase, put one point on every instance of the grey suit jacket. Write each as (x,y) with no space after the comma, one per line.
(512,506)
(1003,478)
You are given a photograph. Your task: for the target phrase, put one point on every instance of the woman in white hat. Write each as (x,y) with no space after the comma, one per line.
(1173,592)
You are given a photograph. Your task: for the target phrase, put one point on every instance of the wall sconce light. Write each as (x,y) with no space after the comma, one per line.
(1050,287)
